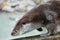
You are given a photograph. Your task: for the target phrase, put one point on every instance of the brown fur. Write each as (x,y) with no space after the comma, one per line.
(38,15)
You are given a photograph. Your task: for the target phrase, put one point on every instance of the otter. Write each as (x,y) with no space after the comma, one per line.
(47,14)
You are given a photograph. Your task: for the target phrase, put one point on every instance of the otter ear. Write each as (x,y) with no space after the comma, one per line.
(49,17)
(49,14)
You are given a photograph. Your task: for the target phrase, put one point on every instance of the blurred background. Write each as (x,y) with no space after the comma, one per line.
(18,5)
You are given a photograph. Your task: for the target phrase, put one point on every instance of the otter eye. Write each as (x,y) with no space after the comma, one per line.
(40,29)
(24,23)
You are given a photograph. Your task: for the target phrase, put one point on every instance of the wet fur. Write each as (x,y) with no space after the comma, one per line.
(46,14)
